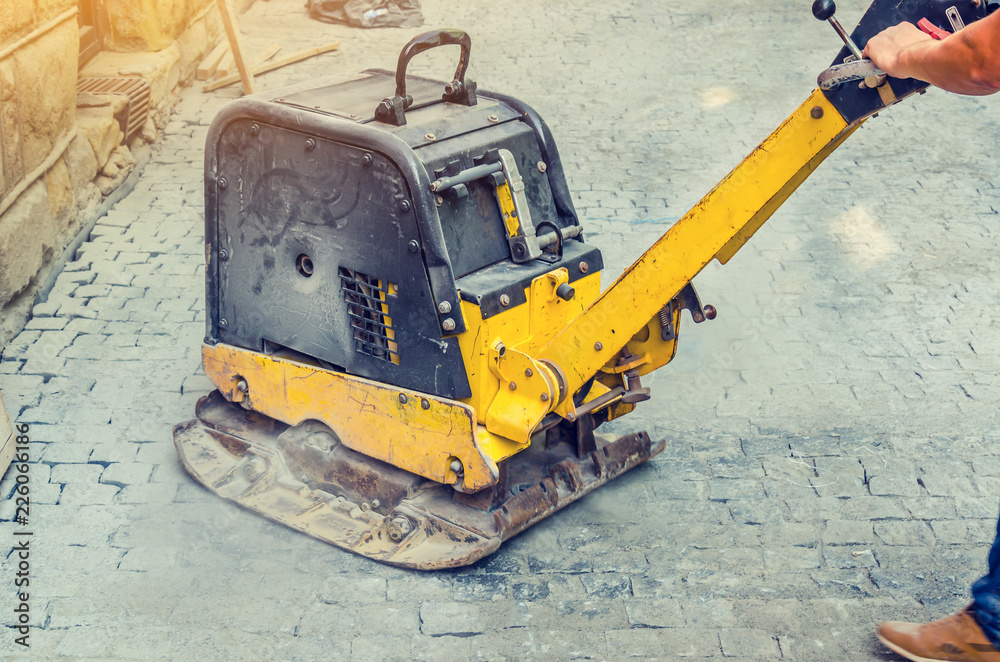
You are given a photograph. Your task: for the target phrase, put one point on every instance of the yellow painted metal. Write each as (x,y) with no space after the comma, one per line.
(527,391)
(387,423)
(648,344)
(507,209)
(390,332)
(522,327)
(715,228)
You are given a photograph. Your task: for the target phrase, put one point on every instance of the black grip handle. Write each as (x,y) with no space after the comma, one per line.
(460,90)
(426,41)
(824,9)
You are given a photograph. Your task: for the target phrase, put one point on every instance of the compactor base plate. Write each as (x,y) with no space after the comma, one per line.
(304,478)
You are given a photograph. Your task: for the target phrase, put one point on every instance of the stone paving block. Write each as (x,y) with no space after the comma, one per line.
(144,559)
(735,490)
(411,587)
(390,648)
(657,613)
(151,493)
(607,585)
(947,479)
(451,619)
(739,642)
(76,473)
(122,474)
(785,559)
(85,643)
(904,533)
(83,494)
(66,451)
(114,452)
(352,589)
(674,642)
(439,649)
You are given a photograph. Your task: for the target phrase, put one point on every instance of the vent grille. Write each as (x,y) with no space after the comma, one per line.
(368,310)
(135,89)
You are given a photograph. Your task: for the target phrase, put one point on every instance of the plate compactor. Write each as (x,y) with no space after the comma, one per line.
(404,323)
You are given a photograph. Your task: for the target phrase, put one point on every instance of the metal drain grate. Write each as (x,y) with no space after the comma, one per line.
(368,310)
(137,91)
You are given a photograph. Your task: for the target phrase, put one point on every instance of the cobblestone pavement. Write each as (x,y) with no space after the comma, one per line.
(832,457)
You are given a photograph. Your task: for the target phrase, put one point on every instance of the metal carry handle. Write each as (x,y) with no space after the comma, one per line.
(460,90)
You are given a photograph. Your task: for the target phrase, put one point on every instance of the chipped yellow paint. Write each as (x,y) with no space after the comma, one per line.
(366,416)
(507,209)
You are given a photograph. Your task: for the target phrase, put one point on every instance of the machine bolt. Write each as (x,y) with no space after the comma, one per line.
(310,144)
(242,386)
(223,255)
(571,416)
(438,200)
(598,346)
(414,246)
(456,466)
(223,184)
(425,403)
(512,386)
(402,398)
(399,528)
(528,372)
(223,323)
(584,267)
(253,469)
(430,136)
(254,129)
(444,307)
(545,397)
(542,167)
(493,118)
(366,160)
(448,324)
(404,206)
(504,300)
(816,112)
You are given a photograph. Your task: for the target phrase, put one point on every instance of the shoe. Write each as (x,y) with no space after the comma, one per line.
(957,638)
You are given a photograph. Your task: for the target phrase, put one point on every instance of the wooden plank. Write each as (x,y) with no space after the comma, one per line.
(226,64)
(211,61)
(232,31)
(271,66)
(266,55)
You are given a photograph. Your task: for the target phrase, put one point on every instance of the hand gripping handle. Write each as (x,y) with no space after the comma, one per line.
(392,111)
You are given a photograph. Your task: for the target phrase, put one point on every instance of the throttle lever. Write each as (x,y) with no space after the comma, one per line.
(824,11)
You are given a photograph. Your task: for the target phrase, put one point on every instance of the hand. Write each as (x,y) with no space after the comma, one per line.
(885,49)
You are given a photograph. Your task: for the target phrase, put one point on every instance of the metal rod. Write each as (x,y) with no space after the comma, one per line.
(851,46)
(465,176)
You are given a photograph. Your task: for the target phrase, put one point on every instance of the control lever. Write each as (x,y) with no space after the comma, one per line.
(824,11)
(854,68)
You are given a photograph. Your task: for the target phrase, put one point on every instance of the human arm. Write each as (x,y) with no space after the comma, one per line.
(967,62)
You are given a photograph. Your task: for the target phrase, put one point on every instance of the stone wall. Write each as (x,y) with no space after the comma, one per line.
(39,42)
(60,154)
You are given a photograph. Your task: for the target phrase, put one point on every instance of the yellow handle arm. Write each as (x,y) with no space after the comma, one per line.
(716,228)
